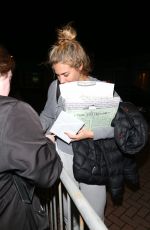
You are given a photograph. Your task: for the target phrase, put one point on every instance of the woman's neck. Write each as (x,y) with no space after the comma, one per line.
(84,78)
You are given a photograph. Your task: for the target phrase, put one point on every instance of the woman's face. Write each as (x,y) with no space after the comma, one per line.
(65,73)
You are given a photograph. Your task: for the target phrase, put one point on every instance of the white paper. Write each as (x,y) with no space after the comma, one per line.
(66,123)
(90,101)
(87,90)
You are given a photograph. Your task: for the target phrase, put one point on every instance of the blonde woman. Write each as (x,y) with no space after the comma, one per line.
(70,62)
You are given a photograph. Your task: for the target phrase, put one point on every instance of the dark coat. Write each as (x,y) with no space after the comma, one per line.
(27,153)
(130,128)
(112,161)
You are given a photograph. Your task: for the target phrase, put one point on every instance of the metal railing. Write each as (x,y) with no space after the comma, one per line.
(87,216)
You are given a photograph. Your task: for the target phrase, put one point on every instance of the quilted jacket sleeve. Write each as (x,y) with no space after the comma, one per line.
(130,128)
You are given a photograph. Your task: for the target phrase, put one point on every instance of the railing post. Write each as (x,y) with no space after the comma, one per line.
(85,209)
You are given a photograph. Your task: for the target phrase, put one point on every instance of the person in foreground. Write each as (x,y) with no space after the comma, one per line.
(70,63)
(29,163)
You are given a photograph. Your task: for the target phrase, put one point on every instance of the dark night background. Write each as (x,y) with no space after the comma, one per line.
(115,35)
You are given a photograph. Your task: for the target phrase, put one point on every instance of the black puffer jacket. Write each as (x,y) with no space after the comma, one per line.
(112,161)
(130,128)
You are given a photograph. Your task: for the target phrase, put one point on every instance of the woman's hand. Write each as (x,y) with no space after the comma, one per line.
(82,134)
(51,137)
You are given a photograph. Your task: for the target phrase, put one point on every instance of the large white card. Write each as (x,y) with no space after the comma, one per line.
(87,90)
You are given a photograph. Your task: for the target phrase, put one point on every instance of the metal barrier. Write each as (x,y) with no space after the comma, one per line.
(87,216)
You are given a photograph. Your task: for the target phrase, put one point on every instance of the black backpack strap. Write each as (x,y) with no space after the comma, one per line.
(57,91)
(25,189)
(36,209)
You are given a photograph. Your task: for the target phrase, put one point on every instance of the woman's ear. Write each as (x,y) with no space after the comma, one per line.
(81,67)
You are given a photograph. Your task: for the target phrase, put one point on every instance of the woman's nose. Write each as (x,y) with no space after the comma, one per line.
(62,79)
